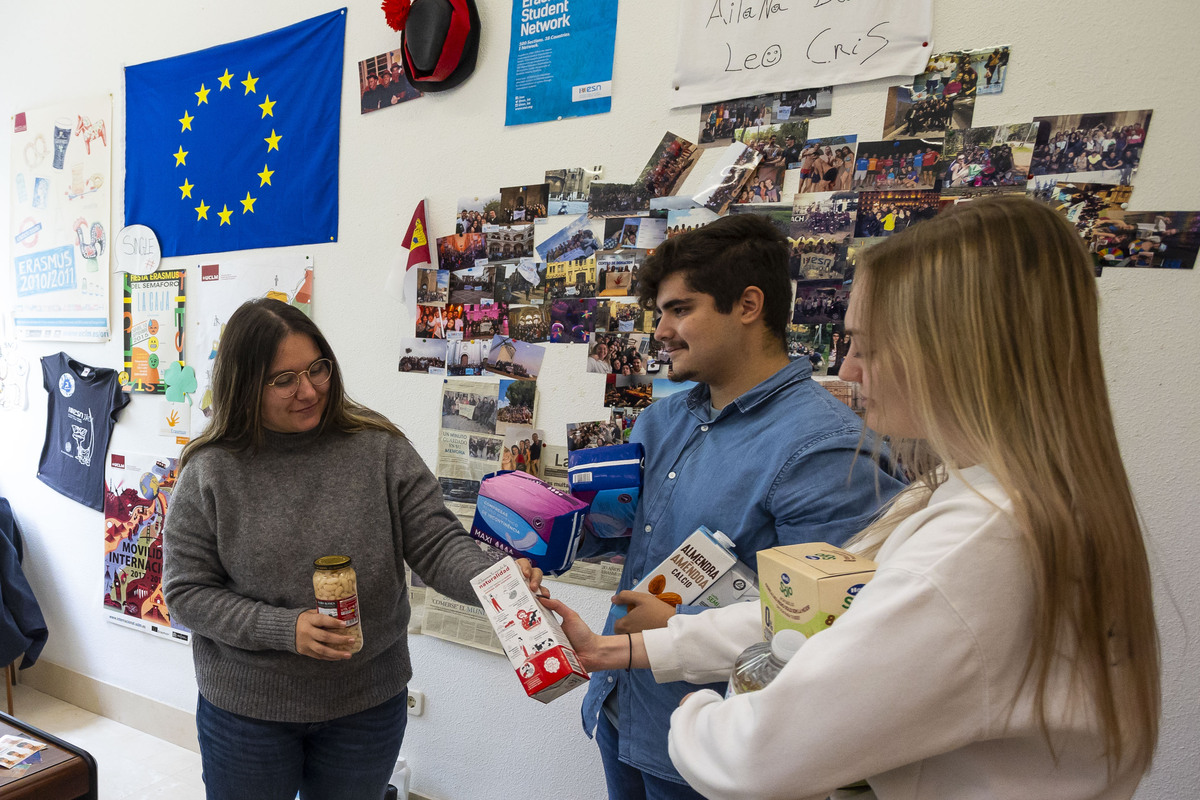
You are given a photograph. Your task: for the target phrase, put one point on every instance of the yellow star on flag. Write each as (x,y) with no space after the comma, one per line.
(202,95)
(225,79)
(180,157)
(265,176)
(186,188)
(202,211)
(267,106)
(249,83)
(224,215)
(272,141)
(186,122)
(248,203)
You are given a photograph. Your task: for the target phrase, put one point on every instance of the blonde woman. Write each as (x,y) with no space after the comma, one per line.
(1006,647)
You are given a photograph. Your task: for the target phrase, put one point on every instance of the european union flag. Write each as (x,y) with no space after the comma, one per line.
(236,146)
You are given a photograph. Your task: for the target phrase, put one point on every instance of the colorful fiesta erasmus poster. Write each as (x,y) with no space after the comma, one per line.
(153,326)
(137,492)
(236,147)
(59,221)
(560,59)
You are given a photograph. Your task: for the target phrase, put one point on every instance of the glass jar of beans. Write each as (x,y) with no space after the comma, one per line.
(336,586)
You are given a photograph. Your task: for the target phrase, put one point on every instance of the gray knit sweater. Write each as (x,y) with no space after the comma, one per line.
(241,534)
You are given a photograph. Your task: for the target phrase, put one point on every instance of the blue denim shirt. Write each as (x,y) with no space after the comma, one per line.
(772,468)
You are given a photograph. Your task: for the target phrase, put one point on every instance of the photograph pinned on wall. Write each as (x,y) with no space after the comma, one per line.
(617,199)
(519,281)
(423,355)
(773,144)
(1110,141)
(1096,210)
(566,279)
(823,165)
(576,240)
(523,204)
(623,315)
(668,165)
(628,391)
(477,214)
(572,321)
(506,242)
(617,271)
(991,67)
(686,219)
(523,449)
(817,305)
(569,189)
(824,215)
(465,357)
(720,121)
(514,358)
(990,157)
(623,354)
(947,74)
(899,164)
(529,323)
(662,388)
(460,251)
(778,214)
(458,492)
(817,259)
(434,322)
(487,449)
(516,403)
(846,392)
(907,117)
(469,406)
(1161,240)
(813,343)
(802,104)
(601,433)
(473,285)
(643,233)
(433,286)
(483,321)
(382,82)
(887,213)
(724,183)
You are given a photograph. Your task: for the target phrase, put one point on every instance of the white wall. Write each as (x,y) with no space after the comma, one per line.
(1068,56)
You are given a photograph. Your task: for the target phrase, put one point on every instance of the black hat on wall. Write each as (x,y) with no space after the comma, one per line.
(439,40)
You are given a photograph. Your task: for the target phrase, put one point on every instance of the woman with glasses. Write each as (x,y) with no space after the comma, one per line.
(290,470)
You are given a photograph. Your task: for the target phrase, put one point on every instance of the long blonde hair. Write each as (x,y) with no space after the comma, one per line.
(244,355)
(987,315)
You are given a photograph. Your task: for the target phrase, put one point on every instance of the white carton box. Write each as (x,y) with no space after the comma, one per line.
(532,638)
(692,573)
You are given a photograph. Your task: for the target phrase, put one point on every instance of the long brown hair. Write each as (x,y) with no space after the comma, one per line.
(987,315)
(244,354)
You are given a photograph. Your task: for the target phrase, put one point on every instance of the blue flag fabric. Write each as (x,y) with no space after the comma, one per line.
(236,146)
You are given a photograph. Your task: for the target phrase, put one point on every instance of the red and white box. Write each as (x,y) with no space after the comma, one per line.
(531,637)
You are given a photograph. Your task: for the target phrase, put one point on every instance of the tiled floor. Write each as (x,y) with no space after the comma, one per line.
(132,765)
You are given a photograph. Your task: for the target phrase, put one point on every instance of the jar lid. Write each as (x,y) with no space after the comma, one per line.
(332,562)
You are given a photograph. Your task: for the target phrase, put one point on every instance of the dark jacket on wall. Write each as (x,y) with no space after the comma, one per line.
(22,626)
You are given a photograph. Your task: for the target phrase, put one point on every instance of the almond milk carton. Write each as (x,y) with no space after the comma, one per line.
(532,638)
(806,587)
(690,575)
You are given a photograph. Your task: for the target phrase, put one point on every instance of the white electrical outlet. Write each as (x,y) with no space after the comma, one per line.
(416,703)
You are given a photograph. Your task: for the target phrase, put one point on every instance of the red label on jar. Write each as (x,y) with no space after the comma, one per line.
(345,609)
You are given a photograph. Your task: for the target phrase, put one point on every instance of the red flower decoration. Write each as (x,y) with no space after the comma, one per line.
(396,13)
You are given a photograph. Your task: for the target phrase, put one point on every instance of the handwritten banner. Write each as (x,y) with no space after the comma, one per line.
(736,48)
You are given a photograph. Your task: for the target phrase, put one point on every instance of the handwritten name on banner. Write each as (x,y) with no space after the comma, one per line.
(736,48)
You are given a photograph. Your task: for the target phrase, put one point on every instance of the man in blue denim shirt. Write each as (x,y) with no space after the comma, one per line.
(758,450)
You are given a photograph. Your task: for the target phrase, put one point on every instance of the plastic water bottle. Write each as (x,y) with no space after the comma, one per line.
(401,776)
(761,662)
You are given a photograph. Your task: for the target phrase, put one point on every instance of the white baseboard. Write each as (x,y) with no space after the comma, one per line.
(120,705)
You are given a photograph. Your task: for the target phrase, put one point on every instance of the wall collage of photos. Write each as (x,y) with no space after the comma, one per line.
(557,262)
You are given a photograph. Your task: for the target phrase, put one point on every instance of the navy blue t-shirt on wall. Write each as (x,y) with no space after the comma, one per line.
(84,404)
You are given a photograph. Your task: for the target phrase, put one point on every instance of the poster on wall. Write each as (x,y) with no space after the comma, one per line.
(59,221)
(137,492)
(737,49)
(225,285)
(153,326)
(560,60)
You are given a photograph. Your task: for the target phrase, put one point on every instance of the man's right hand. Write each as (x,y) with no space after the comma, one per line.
(322,637)
(645,611)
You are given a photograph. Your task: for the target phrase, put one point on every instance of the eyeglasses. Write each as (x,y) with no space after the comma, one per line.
(286,384)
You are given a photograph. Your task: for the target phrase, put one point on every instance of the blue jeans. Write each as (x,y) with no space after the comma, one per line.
(348,758)
(630,783)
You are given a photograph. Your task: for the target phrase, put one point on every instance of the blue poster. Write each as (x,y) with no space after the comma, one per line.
(560,59)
